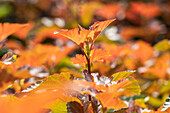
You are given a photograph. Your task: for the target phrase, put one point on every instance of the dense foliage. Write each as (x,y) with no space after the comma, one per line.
(98,56)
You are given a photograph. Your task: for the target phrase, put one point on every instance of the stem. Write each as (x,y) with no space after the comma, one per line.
(88,63)
(89,66)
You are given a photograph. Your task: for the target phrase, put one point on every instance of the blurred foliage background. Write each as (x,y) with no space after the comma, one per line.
(137,40)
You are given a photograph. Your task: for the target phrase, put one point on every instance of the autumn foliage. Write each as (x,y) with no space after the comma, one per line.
(88,57)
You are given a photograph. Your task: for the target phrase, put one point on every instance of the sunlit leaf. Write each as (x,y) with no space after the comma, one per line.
(162,45)
(7,29)
(73,72)
(79,59)
(155,101)
(165,87)
(8,103)
(79,36)
(110,102)
(65,104)
(86,85)
(124,74)
(115,87)
(161,64)
(133,87)
(98,27)
(76,35)
(97,55)
(142,51)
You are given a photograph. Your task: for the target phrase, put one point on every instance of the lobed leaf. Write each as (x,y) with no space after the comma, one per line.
(119,75)
(79,59)
(81,35)
(76,35)
(110,102)
(133,86)
(97,55)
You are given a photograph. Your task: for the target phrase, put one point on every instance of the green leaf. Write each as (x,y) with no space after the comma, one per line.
(56,81)
(132,97)
(66,104)
(58,107)
(165,87)
(134,86)
(5,9)
(163,45)
(119,75)
(155,101)
(123,110)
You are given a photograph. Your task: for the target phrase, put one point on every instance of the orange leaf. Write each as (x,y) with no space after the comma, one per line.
(76,35)
(14,45)
(30,104)
(98,27)
(23,32)
(81,35)
(162,65)
(98,55)
(110,102)
(109,10)
(37,57)
(86,85)
(143,51)
(115,87)
(79,59)
(148,10)
(7,29)
(45,32)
